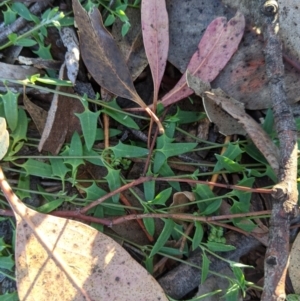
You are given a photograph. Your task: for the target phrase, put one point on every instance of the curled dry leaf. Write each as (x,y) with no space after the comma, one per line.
(69,38)
(226,123)
(103,58)
(218,44)
(181,202)
(61,259)
(259,137)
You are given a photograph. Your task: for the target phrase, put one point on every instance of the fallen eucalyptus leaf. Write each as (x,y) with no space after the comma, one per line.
(61,259)
(103,58)
(155,27)
(215,49)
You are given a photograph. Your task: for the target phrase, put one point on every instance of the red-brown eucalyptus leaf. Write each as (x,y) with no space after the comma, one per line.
(155,27)
(218,44)
(61,259)
(103,58)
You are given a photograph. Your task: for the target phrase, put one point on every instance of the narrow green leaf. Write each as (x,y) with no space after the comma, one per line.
(125,28)
(48,207)
(93,192)
(9,16)
(22,10)
(23,184)
(203,191)
(122,150)
(198,236)
(205,267)
(25,42)
(163,237)
(109,20)
(149,188)
(10,101)
(120,117)
(37,168)
(171,251)
(149,225)
(95,158)
(75,150)
(162,197)
(212,207)
(9,297)
(229,164)
(7,262)
(166,171)
(219,247)
(88,121)
(114,182)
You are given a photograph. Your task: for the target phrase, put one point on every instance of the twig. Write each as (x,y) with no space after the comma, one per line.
(285,194)
(20,23)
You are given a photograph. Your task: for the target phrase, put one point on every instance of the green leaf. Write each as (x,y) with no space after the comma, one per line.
(120,117)
(23,185)
(88,121)
(22,10)
(9,297)
(229,164)
(9,17)
(198,236)
(100,133)
(93,192)
(10,101)
(232,152)
(163,237)
(48,207)
(59,169)
(122,150)
(171,251)
(218,247)
(149,188)
(3,245)
(166,171)
(166,149)
(184,117)
(75,150)
(238,273)
(114,182)
(20,132)
(245,224)
(37,168)
(109,20)
(125,28)
(149,224)
(99,213)
(95,157)
(212,207)
(7,262)
(25,42)
(203,191)
(205,267)
(162,197)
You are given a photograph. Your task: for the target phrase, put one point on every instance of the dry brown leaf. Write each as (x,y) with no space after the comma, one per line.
(61,259)
(294,267)
(103,58)
(181,202)
(227,125)
(131,45)
(262,141)
(61,121)
(37,114)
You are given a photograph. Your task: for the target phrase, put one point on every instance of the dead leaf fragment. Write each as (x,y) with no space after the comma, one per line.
(262,141)
(61,259)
